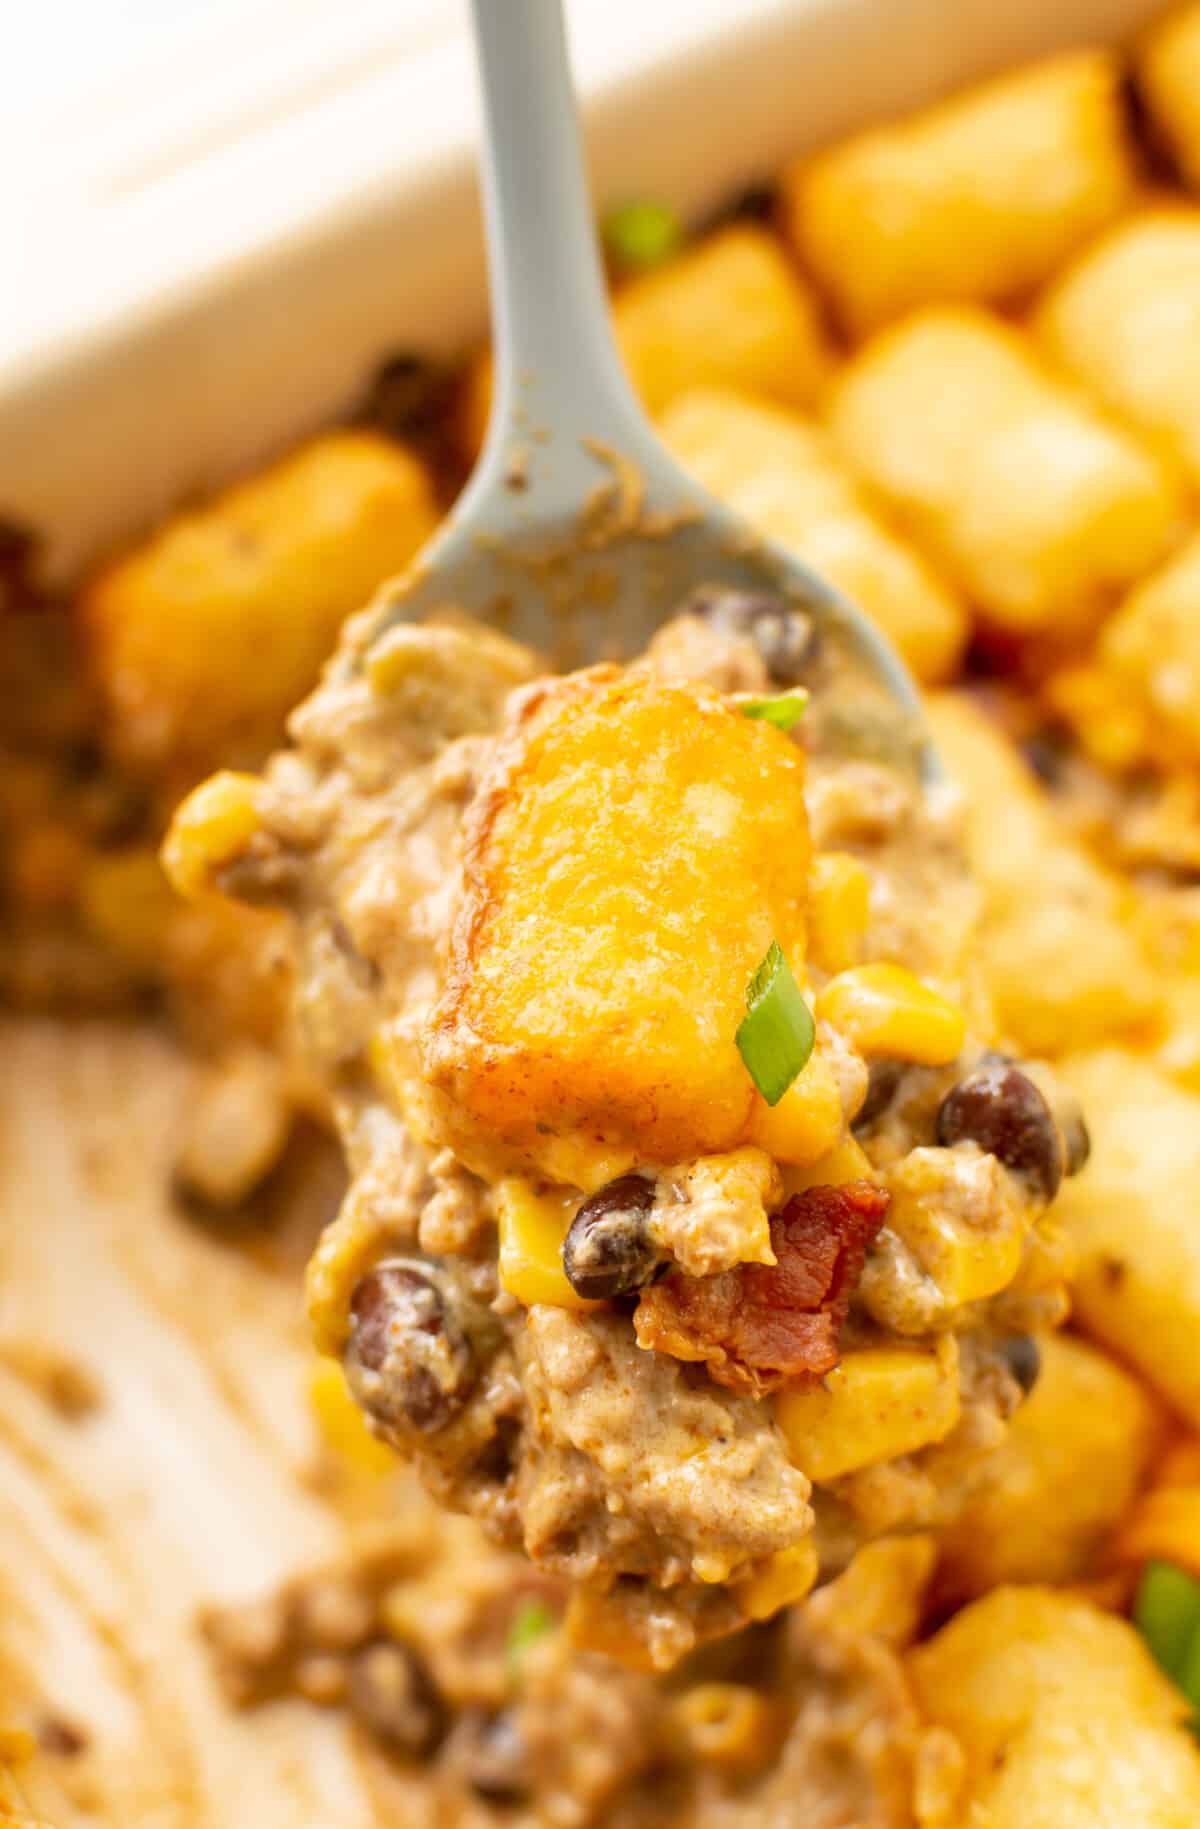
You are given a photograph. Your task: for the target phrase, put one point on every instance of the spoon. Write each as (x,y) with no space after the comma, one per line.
(578,533)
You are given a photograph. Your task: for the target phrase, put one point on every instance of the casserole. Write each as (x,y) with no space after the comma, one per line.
(244,1547)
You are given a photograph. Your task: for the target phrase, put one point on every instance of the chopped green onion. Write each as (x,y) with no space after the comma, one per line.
(1166,1611)
(641,235)
(531,1621)
(784,711)
(776,1035)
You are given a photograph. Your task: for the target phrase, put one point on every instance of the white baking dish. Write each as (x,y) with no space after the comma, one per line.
(219,261)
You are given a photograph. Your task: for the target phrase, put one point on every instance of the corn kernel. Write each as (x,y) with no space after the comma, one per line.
(839,897)
(345,1251)
(847,1161)
(938,1222)
(532,1226)
(966,1267)
(127,903)
(341,1423)
(216,821)
(726,1724)
(885,1009)
(593,1623)
(1103,713)
(878,1403)
(382,1062)
(785,1578)
(807,1121)
(16,1747)
(881,1593)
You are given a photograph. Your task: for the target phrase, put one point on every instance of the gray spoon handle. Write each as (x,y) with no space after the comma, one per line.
(578,531)
(556,364)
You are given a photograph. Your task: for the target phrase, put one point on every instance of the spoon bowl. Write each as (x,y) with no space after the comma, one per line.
(578,533)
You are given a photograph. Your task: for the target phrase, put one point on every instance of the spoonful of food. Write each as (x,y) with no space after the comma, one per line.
(635,1018)
(578,533)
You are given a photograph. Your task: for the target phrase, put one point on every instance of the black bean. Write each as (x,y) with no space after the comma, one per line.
(999,1108)
(391,1692)
(83,760)
(18,553)
(883,1083)
(1072,1126)
(57,1735)
(489,1749)
(1047,752)
(412,399)
(409,1361)
(786,638)
(417,401)
(1024,1360)
(759,202)
(608,1250)
(17,543)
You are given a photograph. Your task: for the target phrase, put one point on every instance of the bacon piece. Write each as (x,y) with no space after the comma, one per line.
(759,1324)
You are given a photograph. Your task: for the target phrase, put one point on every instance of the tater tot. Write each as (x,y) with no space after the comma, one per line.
(1125,322)
(782,474)
(1062,964)
(1064,1720)
(1073,1462)
(1039,507)
(732,311)
(1132,1215)
(1152,648)
(979,198)
(205,636)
